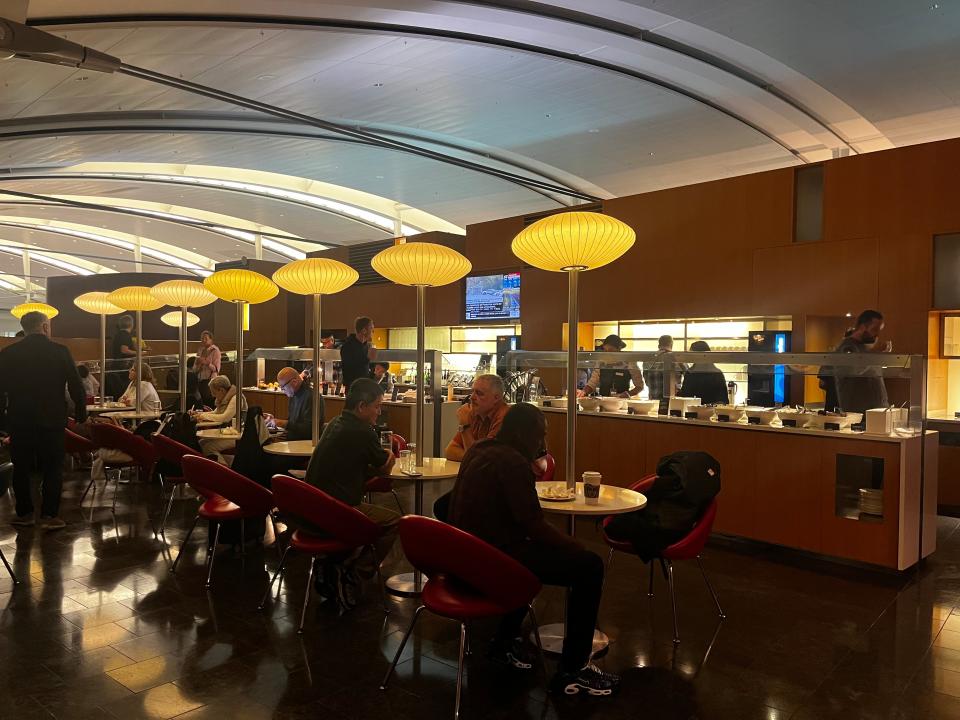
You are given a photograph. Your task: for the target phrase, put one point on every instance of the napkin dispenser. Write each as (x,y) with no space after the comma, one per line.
(880,421)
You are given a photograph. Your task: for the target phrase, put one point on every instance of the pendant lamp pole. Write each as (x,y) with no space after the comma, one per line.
(139,356)
(238,403)
(316,370)
(103,357)
(572,346)
(183,359)
(421,371)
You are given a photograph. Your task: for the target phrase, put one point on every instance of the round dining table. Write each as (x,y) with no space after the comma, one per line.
(613,501)
(108,408)
(410,584)
(293,448)
(218,434)
(132,415)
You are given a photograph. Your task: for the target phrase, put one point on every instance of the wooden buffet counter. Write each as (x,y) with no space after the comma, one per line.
(792,487)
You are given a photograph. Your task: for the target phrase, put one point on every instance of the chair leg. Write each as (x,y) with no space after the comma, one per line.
(716,600)
(266,592)
(606,570)
(9,569)
(91,484)
(116,490)
(463,642)
(673,601)
(383,587)
(183,545)
(397,500)
(536,635)
(306,595)
(166,514)
(212,554)
(650,587)
(396,658)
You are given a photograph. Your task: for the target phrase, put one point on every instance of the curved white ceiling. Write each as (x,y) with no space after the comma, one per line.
(607,98)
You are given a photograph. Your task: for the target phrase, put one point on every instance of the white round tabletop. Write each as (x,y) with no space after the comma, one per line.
(613,501)
(218,434)
(110,407)
(131,415)
(432,469)
(297,448)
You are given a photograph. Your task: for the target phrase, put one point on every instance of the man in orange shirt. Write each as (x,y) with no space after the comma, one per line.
(479,419)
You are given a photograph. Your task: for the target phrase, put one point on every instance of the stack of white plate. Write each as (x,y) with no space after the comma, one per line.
(871,501)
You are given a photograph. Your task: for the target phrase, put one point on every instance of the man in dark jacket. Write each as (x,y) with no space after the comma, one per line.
(357,353)
(33,409)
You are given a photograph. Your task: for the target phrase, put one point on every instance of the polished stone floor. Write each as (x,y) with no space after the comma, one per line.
(99,628)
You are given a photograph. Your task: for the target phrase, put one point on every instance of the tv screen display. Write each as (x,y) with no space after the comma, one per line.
(493,297)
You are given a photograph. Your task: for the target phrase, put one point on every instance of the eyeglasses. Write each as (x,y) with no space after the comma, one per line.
(283,385)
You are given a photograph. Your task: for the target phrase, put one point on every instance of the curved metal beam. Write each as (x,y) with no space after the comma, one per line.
(415,31)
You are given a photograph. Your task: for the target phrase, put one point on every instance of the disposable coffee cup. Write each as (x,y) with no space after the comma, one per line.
(591,487)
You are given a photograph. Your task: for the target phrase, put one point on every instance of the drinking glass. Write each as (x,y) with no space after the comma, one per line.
(412,459)
(405,460)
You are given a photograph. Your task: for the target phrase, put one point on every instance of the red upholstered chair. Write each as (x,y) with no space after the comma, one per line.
(231,497)
(687,548)
(385,484)
(468,579)
(75,445)
(345,530)
(107,436)
(549,469)
(172,452)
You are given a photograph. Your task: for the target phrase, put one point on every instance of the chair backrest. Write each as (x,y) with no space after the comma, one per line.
(170,450)
(550,468)
(114,437)
(312,504)
(225,482)
(692,545)
(73,443)
(398,443)
(644,483)
(437,548)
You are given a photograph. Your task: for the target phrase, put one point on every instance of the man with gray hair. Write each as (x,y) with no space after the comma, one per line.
(33,409)
(481,417)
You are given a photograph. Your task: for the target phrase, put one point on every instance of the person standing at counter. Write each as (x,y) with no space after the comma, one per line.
(299,422)
(481,417)
(653,371)
(862,389)
(357,352)
(207,366)
(614,378)
(704,380)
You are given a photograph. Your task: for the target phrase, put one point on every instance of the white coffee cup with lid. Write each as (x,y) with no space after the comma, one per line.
(591,487)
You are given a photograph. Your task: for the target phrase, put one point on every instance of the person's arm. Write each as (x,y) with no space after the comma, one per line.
(464,438)
(454,450)
(215,359)
(224,417)
(637,378)
(592,383)
(379,459)
(75,387)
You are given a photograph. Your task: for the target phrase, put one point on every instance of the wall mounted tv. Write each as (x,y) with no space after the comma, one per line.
(492,297)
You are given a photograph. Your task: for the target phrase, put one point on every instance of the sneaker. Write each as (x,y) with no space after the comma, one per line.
(513,654)
(590,679)
(323,582)
(348,588)
(52,523)
(23,520)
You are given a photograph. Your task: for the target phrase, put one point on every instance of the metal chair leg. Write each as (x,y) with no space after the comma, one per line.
(463,641)
(673,601)
(606,571)
(536,635)
(306,596)
(13,575)
(397,500)
(266,592)
(716,600)
(91,484)
(380,582)
(183,545)
(650,588)
(212,554)
(166,514)
(396,658)
(116,490)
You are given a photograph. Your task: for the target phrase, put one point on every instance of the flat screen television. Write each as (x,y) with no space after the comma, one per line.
(493,297)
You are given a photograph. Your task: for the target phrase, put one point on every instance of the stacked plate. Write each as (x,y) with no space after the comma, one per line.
(871,501)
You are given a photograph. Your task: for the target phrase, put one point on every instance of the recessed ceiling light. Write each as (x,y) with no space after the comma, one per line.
(265,77)
(593,130)
(379,177)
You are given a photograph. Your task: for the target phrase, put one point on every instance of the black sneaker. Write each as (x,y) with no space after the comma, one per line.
(590,680)
(512,654)
(348,588)
(324,581)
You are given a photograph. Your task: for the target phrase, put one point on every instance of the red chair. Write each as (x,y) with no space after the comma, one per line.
(688,548)
(231,497)
(385,484)
(549,468)
(74,444)
(345,530)
(468,580)
(107,436)
(172,452)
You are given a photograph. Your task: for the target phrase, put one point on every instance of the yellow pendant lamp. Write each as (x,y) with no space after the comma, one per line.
(172,319)
(18,311)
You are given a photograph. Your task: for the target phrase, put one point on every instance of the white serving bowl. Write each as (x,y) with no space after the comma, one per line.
(766,416)
(643,407)
(733,412)
(704,412)
(611,404)
(560,402)
(681,404)
(789,413)
(818,421)
(589,403)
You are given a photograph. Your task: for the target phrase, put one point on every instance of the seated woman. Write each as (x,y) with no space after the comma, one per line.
(149,398)
(225,396)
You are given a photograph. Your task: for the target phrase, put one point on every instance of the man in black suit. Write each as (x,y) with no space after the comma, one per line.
(33,409)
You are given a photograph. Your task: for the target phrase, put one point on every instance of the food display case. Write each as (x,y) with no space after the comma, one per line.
(851,486)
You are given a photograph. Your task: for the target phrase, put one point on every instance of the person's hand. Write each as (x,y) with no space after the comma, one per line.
(371,353)
(465,414)
(127,402)
(581,393)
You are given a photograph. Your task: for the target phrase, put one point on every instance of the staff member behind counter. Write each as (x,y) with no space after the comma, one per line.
(614,378)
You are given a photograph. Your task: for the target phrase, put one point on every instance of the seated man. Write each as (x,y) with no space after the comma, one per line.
(495,499)
(349,454)
(299,422)
(480,418)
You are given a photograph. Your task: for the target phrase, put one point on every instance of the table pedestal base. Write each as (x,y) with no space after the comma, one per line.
(405,584)
(551,636)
